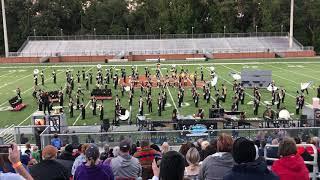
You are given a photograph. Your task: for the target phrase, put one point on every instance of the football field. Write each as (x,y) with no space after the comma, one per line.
(288,73)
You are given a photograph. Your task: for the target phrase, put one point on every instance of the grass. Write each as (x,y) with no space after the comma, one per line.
(288,73)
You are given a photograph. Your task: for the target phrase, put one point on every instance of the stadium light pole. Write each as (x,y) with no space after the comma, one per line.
(224,31)
(160,33)
(5,33)
(61,32)
(281,29)
(291,24)
(256,30)
(128,39)
(128,33)
(34,32)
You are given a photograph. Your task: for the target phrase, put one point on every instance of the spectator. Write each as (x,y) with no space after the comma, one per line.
(80,159)
(184,148)
(155,147)
(193,159)
(25,157)
(172,167)
(116,151)
(23,139)
(67,153)
(56,141)
(211,149)
(290,166)
(218,164)
(165,147)
(28,146)
(202,152)
(146,156)
(248,167)
(74,139)
(272,152)
(92,169)
(49,168)
(89,139)
(14,159)
(35,153)
(105,154)
(302,151)
(124,165)
(261,149)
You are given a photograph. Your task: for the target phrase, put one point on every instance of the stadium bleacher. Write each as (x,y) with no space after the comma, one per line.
(39,47)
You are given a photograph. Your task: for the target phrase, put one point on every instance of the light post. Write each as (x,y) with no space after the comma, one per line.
(256,30)
(61,32)
(34,32)
(192,31)
(94,32)
(224,31)
(160,32)
(128,33)
(281,29)
(291,23)
(5,34)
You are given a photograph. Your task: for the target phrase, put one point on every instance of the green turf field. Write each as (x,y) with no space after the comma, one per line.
(288,73)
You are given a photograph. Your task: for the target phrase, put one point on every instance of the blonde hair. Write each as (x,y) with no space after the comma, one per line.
(165,147)
(193,156)
(204,145)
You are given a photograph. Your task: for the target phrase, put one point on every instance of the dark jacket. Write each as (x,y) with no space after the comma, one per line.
(256,170)
(67,156)
(100,171)
(216,166)
(49,170)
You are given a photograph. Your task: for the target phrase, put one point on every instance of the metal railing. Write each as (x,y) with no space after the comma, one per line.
(157,36)
(175,137)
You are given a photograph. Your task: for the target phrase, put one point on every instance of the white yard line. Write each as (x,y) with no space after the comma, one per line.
(174,104)
(7,74)
(300,74)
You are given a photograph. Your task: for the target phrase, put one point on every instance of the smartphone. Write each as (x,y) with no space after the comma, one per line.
(4,148)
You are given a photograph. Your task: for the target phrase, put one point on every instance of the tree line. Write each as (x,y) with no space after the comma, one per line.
(118,17)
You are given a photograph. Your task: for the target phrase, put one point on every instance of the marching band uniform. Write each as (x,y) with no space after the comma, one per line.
(78,76)
(116,78)
(54,77)
(241,95)
(71,107)
(164,100)
(179,99)
(224,93)
(122,90)
(140,106)
(87,83)
(83,111)
(218,99)
(42,78)
(149,102)
(83,74)
(77,101)
(278,99)
(101,112)
(208,95)
(234,107)
(201,71)
(282,94)
(90,77)
(94,105)
(60,95)
(256,103)
(35,80)
(196,101)
(159,105)
(273,95)
(130,98)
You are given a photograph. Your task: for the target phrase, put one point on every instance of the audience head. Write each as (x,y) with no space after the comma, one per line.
(155,147)
(55,135)
(287,147)
(92,154)
(106,148)
(243,151)
(315,141)
(116,151)
(84,147)
(144,144)
(125,146)
(193,156)
(69,148)
(204,145)
(172,166)
(28,146)
(185,147)
(49,152)
(297,140)
(35,148)
(224,143)
(275,142)
(165,147)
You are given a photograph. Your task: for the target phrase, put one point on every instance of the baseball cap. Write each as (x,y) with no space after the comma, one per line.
(125,145)
(92,152)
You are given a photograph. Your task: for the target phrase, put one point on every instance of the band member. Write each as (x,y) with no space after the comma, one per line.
(241,94)
(196,101)
(78,101)
(40,101)
(101,112)
(83,74)
(123,89)
(269,115)
(318,92)
(117,102)
(278,99)
(195,79)
(46,103)
(94,105)
(235,85)
(116,81)
(299,103)
(87,83)
(35,78)
(207,95)
(54,75)
(42,78)
(71,107)
(179,99)
(282,94)
(149,102)
(18,91)
(273,96)
(108,76)
(140,105)
(90,76)
(78,76)
(306,89)
(159,104)
(234,107)
(83,111)
(256,103)
(224,93)
(257,93)
(60,97)
(201,72)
